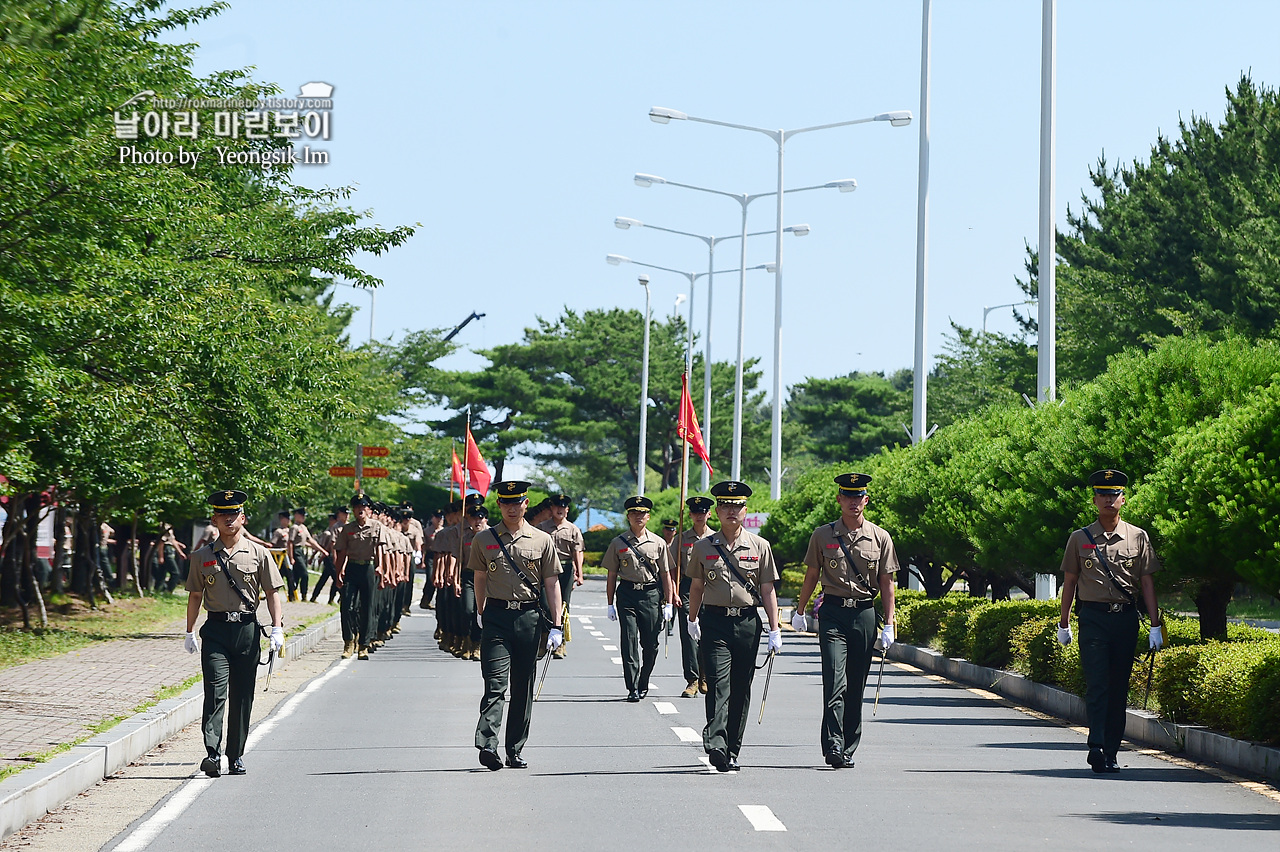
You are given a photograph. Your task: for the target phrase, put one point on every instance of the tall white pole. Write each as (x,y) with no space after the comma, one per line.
(775,456)
(644,392)
(920,397)
(706,368)
(1046,357)
(372,298)
(688,368)
(737,378)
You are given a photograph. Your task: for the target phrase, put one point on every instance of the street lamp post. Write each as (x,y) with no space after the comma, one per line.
(624,223)
(692,277)
(644,393)
(986,310)
(897,118)
(371,293)
(645,180)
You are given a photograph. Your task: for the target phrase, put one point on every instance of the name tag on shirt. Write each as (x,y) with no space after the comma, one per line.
(1088,547)
(492,547)
(748,558)
(624,550)
(713,556)
(832,546)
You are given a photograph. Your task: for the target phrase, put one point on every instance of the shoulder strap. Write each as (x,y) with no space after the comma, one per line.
(1106,568)
(524,578)
(220,556)
(731,564)
(853,566)
(644,560)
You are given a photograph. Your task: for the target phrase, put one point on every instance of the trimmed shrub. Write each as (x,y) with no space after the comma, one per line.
(919,623)
(953,634)
(989,627)
(1262,703)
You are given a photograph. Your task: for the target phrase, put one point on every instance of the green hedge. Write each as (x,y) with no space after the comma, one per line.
(1231,686)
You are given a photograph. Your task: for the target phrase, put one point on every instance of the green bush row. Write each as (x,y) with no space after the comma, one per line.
(1231,686)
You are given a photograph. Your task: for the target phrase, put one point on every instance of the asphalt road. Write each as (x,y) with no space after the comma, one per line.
(380,753)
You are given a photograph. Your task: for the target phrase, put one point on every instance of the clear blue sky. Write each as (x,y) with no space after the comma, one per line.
(511,130)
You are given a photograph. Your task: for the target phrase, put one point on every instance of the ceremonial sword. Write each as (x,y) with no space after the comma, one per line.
(879,680)
(543,679)
(764,696)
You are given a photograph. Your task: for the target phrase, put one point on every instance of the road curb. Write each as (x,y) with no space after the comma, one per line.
(34,792)
(1192,741)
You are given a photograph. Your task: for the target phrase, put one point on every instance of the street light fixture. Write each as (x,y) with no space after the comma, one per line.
(664,115)
(617,259)
(372,297)
(625,223)
(986,310)
(743,199)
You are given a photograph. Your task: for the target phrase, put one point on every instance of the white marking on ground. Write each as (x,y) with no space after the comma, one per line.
(687,735)
(761,818)
(144,834)
(611,647)
(597,634)
(666,708)
(617,660)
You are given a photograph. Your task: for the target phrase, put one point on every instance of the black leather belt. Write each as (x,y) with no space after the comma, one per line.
(499,603)
(640,587)
(233,617)
(1107,607)
(360,562)
(730,611)
(849,603)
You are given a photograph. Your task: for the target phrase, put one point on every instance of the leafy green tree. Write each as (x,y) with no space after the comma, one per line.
(847,417)
(975,370)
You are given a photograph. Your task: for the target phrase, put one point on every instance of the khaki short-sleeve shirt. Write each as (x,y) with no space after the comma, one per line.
(873,557)
(620,557)
(1128,551)
(529,546)
(568,538)
(299,535)
(248,563)
(279,537)
(415,538)
(361,543)
(754,561)
(446,541)
(468,540)
(681,550)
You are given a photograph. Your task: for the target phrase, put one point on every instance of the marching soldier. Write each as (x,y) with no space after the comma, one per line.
(640,576)
(513,563)
(357,548)
(732,573)
(434,523)
(448,547)
(337,520)
(572,550)
(173,551)
(1104,565)
(413,528)
(226,577)
(691,663)
(299,539)
(670,526)
(854,559)
(477,521)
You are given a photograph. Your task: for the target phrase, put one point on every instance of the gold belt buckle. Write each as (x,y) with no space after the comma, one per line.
(513,604)
(733,610)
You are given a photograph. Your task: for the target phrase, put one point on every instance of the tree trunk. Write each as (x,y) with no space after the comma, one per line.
(977,581)
(9,549)
(28,561)
(1212,597)
(58,577)
(133,558)
(930,575)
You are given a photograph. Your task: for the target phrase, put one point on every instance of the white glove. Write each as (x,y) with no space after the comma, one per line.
(668,612)
(613,612)
(555,638)
(1157,638)
(479,619)
(886,638)
(1064,635)
(192,644)
(695,629)
(775,640)
(798,623)
(277,638)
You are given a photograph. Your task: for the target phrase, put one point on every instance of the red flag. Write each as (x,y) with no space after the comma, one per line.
(456,473)
(476,468)
(687,426)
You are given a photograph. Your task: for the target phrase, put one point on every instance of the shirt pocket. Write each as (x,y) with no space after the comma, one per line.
(870,557)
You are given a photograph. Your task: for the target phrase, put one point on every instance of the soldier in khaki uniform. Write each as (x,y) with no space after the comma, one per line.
(300,539)
(670,528)
(681,551)
(226,577)
(448,547)
(476,522)
(337,520)
(358,546)
(854,559)
(513,563)
(732,573)
(572,550)
(640,575)
(433,526)
(412,527)
(1104,566)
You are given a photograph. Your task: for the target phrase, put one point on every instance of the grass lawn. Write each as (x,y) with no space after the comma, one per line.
(1255,605)
(72,625)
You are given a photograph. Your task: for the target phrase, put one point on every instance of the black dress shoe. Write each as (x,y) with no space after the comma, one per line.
(633,696)
(212,766)
(643,693)
(1111,767)
(733,764)
(490,760)
(515,761)
(835,760)
(719,760)
(1097,760)
(237,767)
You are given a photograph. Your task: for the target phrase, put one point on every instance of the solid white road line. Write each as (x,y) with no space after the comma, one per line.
(181,800)
(687,735)
(666,708)
(761,818)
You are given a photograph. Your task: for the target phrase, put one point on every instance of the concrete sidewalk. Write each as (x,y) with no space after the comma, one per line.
(50,702)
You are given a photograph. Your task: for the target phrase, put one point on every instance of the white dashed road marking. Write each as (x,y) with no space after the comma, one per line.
(617,660)
(687,735)
(611,647)
(666,708)
(761,818)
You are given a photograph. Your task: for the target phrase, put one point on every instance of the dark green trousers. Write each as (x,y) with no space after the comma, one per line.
(229,661)
(640,619)
(846,640)
(358,585)
(729,646)
(508,654)
(1107,644)
(688,645)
